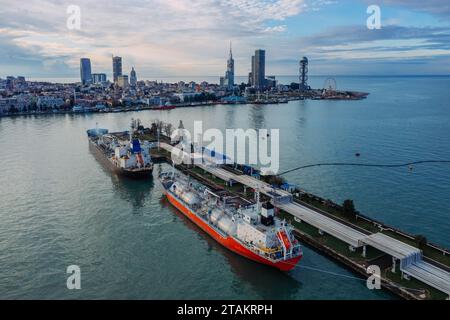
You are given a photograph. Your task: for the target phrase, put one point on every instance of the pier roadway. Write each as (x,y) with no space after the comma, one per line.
(279,196)
(342,232)
(429,274)
(411,263)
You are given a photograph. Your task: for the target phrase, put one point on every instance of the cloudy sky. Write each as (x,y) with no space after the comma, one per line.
(191,37)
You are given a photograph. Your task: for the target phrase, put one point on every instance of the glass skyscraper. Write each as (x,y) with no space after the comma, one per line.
(259,69)
(85,71)
(117,68)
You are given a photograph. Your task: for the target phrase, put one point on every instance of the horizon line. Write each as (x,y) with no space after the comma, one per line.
(243,76)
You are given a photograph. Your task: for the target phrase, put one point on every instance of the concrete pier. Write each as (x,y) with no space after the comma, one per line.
(411,262)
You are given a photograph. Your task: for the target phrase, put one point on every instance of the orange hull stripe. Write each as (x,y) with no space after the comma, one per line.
(230,242)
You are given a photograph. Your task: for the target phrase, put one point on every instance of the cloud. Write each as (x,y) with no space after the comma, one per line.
(395,47)
(347,35)
(260,11)
(179,37)
(275,29)
(436,7)
(165,36)
(17,59)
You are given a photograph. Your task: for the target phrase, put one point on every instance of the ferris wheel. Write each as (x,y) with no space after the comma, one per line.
(330,85)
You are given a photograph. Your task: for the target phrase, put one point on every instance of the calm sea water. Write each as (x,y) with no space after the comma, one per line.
(59,206)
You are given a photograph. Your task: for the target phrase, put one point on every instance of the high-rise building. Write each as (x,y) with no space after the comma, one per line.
(259,69)
(10,82)
(229,75)
(252,74)
(133,78)
(122,81)
(117,68)
(98,77)
(85,71)
(20,79)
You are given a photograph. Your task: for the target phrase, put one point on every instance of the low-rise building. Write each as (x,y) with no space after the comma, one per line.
(7,104)
(24,102)
(182,96)
(49,102)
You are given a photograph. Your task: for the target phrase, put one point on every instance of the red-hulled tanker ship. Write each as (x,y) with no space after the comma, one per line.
(250,230)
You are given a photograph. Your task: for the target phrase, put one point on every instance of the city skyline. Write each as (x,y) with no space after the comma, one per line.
(190,39)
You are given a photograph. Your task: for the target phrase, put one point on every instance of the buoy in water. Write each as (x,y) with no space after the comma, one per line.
(358,154)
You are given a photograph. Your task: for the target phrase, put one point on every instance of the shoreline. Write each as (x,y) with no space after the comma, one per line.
(276,100)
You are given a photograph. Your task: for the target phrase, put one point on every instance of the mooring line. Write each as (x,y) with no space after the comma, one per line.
(351,277)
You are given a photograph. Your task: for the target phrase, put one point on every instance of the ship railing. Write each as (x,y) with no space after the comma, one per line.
(278,254)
